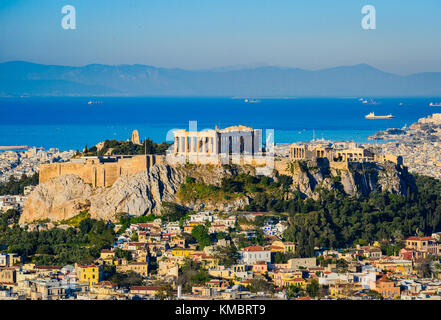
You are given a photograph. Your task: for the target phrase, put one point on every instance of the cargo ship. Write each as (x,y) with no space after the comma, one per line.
(373,116)
(438,104)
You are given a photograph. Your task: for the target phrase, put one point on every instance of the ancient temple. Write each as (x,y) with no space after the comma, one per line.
(217,145)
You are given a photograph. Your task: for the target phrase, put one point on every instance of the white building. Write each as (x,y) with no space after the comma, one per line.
(253,254)
(201,217)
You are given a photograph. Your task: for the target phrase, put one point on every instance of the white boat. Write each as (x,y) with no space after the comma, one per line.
(94,102)
(251,101)
(373,116)
(438,104)
(370,101)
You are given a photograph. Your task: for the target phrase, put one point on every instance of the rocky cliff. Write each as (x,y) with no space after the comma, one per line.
(137,194)
(142,193)
(357,179)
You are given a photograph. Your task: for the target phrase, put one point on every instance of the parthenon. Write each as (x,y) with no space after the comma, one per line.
(216,146)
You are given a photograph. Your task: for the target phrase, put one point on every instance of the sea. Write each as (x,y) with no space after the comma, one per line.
(72,123)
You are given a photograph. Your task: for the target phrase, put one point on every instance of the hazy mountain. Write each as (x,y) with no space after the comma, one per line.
(23,78)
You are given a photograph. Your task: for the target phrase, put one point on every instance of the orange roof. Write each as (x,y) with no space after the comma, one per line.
(145,225)
(253,248)
(419,238)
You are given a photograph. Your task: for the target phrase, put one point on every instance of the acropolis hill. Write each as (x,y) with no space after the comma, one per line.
(109,184)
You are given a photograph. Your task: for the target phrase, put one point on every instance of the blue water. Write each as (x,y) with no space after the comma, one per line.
(70,123)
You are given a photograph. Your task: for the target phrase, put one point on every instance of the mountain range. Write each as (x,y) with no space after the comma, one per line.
(19,78)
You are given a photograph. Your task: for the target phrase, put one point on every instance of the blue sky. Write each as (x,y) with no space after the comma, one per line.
(197,34)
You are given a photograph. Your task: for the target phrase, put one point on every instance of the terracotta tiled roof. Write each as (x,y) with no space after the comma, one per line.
(420,238)
(253,248)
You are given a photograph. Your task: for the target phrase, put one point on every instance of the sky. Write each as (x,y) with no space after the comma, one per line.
(203,34)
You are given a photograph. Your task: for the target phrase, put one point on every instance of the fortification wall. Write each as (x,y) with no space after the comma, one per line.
(281,165)
(97,173)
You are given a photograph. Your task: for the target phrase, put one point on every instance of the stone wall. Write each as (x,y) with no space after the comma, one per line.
(281,165)
(97,171)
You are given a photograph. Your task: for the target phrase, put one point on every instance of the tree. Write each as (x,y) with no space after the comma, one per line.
(189,274)
(374,294)
(423,267)
(262,285)
(280,257)
(165,292)
(312,288)
(285,181)
(16,186)
(123,254)
(295,291)
(172,212)
(227,256)
(200,233)
(230,185)
(221,235)
(190,180)
(127,279)
(200,277)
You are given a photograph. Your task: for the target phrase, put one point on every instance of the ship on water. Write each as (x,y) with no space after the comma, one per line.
(370,101)
(373,116)
(438,104)
(94,102)
(251,100)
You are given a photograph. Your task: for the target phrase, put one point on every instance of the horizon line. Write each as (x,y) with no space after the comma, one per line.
(235,67)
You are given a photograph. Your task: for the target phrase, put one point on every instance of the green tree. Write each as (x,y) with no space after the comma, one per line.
(172,212)
(200,233)
(312,288)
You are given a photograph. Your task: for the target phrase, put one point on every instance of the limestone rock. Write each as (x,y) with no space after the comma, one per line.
(360,179)
(137,194)
(59,199)
(143,193)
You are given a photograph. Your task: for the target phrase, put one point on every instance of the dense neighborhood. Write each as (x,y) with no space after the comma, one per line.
(209,255)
